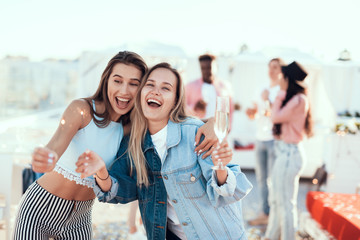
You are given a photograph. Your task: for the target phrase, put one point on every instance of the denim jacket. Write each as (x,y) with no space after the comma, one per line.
(205,210)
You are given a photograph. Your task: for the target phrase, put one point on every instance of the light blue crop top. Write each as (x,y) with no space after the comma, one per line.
(104,141)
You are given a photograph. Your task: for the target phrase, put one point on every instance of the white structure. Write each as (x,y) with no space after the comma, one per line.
(342,83)
(33,86)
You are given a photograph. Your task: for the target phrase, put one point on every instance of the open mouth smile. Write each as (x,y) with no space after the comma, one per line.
(153,103)
(122,103)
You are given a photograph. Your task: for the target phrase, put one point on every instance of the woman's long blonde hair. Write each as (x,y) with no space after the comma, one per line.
(139,123)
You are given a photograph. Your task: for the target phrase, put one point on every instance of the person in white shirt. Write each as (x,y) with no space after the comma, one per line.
(265,154)
(206,89)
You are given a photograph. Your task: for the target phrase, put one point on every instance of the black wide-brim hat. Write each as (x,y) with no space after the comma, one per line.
(294,71)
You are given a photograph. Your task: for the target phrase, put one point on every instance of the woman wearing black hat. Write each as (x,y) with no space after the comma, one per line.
(292,120)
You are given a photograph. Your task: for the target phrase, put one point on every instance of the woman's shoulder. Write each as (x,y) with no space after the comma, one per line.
(299,101)
(299,98)
(302,97)
(81,104)
(79,110)
(191,121)
(304,101)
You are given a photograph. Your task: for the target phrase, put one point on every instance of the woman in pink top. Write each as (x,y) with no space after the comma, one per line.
(292,120)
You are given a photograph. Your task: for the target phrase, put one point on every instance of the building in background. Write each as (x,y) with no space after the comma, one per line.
(27,86)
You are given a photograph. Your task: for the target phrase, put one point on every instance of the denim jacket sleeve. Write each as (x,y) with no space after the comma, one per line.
(236,187)
(123,188)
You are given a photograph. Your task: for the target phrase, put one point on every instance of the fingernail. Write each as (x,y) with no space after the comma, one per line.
(85,164)
(87,158)
(51,155)
(200,151)
(215,152)
(50,160)
(194,144)
(216,156)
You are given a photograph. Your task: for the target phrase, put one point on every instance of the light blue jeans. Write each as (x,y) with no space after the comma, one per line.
(265,157)
(284,186)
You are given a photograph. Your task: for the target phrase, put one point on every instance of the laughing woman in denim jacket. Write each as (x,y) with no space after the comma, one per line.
(180,196)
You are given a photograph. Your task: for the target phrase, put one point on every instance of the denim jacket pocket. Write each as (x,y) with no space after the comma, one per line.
(192,183)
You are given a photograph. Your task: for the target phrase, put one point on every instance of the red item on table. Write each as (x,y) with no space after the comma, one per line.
(338,213)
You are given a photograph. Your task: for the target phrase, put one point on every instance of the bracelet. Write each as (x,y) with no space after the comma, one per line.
(103,179)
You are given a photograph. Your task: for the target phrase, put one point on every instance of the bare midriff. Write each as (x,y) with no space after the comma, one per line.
(56,184)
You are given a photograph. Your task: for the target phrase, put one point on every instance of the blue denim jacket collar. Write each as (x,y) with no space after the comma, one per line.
(172,139)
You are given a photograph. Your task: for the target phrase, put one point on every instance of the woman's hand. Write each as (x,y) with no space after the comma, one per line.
(43,159)
(89,163)
(251,112)
(223,152)
(207,146)
(265,95)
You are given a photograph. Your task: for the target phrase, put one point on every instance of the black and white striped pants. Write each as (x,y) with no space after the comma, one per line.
(42,215)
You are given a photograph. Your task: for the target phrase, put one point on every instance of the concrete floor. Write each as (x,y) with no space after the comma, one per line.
(251,205)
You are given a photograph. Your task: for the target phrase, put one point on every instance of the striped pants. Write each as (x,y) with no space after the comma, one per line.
(42,215)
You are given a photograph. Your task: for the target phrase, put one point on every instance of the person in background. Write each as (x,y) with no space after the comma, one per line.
(292,121)
(134,233)
(200,109)
(264,146)
(180,195)
(206,88)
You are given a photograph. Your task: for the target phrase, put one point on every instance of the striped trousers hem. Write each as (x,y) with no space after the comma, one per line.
(42,215)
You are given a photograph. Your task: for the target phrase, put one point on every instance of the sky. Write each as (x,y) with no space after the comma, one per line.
(43,29)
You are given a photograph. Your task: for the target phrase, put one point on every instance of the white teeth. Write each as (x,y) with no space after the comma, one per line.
(122,99)
(154,101)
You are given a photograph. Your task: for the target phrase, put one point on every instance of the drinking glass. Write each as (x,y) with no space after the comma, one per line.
(221,123)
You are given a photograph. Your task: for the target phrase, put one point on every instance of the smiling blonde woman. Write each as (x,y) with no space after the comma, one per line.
(180,195)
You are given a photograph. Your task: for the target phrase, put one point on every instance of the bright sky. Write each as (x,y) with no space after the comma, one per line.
(63,29)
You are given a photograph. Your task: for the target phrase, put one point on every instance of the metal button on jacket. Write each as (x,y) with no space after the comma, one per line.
(192,178)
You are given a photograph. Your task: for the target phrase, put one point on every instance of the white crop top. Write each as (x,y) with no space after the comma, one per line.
(104,141)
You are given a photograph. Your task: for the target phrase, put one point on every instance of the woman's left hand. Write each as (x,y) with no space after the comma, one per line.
(89,163)
(207,146)
(223,152)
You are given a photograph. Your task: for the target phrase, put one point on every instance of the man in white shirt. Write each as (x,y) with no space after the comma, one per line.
(265,154)
(205,89)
